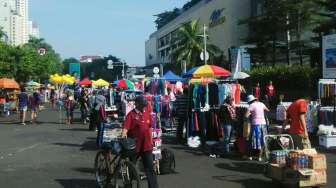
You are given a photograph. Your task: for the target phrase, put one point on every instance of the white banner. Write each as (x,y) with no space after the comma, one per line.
(329,56)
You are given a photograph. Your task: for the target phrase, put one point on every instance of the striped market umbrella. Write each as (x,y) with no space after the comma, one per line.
(207,71)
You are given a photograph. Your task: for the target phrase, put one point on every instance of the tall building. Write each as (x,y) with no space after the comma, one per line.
(221,18)
(33,30)
(5,16)
(14,21)
(22,11)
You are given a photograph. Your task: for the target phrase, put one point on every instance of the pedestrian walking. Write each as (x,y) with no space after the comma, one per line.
(99,114)
(138,125)
(227,117)
(296,117)
(34,105)
(256,114)
(84,106)
(69,108)
(22,102)
(52,98)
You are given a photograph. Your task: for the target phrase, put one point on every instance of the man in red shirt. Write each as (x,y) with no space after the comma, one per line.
(296,116)
(138,125)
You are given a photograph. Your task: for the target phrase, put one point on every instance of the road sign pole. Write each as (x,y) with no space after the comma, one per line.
(205,43)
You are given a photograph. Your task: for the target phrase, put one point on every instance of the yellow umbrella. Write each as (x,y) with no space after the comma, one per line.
(100,83)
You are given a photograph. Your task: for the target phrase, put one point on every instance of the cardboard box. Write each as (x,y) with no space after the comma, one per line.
(318,178)
(304,179)
(275,171)
(318,162)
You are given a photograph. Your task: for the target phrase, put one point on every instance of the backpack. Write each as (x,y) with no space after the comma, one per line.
(167,163)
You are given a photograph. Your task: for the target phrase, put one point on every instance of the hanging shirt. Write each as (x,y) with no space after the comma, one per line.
(233,92)
(237,94)
(257,92)
(270,91)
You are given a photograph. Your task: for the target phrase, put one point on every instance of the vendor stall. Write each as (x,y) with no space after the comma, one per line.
(294,168)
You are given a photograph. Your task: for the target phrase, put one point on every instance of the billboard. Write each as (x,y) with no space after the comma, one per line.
(329,56)
(74,70)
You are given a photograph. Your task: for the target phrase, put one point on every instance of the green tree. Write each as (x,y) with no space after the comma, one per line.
(24,63)
(269,29)
(98,69)
(191,45)
(328,24)
(165,17)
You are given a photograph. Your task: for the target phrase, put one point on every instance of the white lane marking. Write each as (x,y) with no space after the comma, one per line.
(26,148)
(20,150)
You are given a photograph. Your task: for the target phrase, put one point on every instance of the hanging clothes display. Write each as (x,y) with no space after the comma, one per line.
(327,91)
(326,116)
(311,117)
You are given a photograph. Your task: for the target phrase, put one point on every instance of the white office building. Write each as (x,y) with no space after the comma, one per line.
(14,21)
(221,18)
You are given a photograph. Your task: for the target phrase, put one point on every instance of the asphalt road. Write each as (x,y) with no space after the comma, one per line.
(51,154)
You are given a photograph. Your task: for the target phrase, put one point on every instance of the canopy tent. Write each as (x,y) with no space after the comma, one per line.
(33,84)
(62,79)
(100,83)
(85,82)
(6,83)
(170,76)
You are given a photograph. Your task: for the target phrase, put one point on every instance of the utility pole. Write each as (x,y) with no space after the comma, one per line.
(205,44)
(204,54)
(123,69)
(288,40)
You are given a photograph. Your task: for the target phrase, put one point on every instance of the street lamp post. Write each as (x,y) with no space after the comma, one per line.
(111,65)
(204,54)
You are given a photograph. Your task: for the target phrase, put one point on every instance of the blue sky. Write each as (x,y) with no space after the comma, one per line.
(89,27)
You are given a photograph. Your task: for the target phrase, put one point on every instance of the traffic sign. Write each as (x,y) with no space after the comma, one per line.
(156,70)
(41,51)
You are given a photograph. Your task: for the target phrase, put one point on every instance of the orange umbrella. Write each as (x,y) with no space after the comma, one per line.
(8,84)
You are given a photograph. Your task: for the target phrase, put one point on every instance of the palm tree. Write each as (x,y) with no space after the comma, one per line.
(191,45)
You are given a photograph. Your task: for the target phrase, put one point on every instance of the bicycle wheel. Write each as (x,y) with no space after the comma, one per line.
(127,176)
(102,174)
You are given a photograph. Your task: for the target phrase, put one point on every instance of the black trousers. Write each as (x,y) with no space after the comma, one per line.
(147,159)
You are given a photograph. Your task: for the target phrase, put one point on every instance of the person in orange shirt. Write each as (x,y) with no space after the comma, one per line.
(296,117)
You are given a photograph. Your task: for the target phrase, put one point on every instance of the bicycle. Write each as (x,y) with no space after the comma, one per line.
(113,162)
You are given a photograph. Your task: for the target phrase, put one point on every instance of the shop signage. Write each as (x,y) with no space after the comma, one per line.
(329,56)
(217,18)
(74,70)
